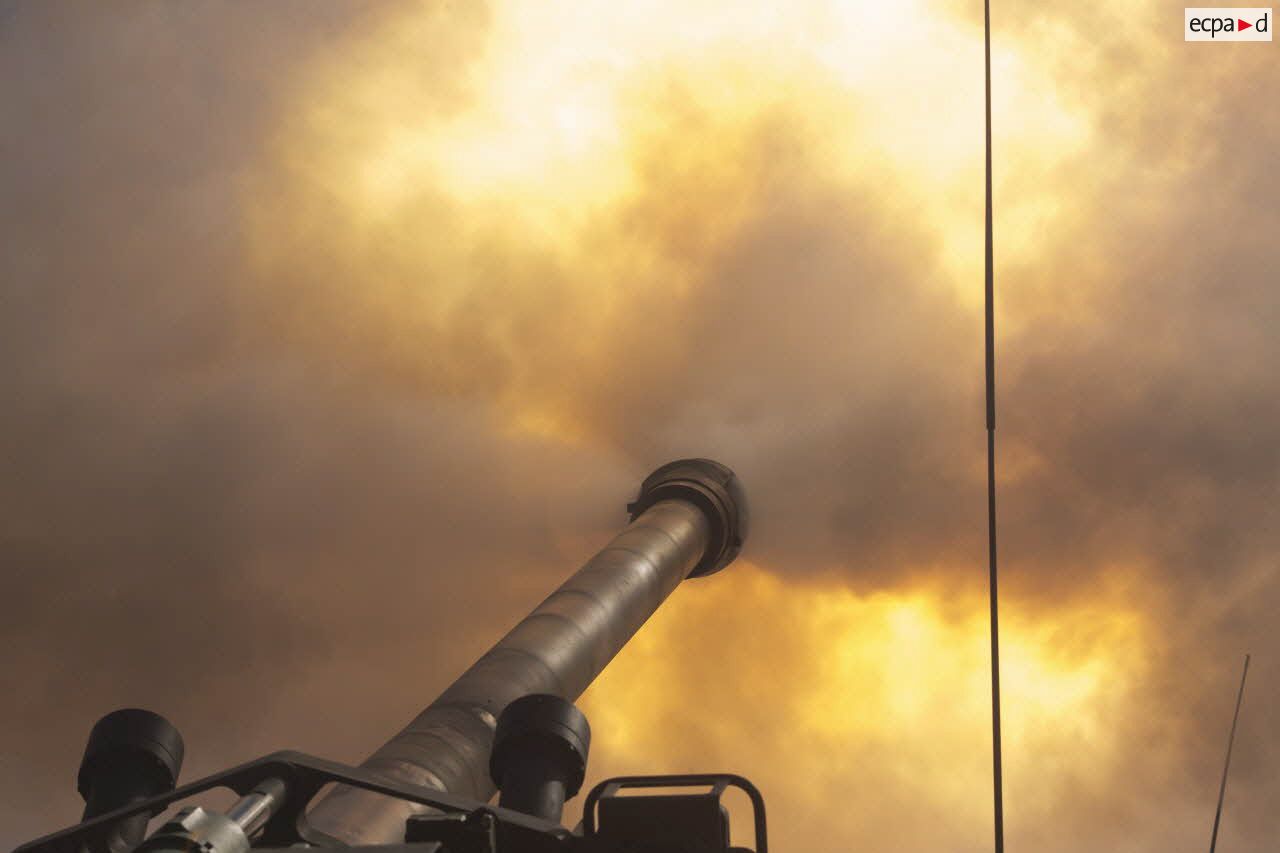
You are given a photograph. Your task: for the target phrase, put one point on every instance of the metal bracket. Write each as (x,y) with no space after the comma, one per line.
(717,782)
(303,775)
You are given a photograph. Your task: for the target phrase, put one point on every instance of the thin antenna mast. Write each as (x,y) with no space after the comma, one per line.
(997,771)
(1231,739)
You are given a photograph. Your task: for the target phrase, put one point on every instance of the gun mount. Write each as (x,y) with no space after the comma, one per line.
(508,722)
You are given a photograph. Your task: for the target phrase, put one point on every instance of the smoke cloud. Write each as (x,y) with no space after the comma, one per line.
(335,335)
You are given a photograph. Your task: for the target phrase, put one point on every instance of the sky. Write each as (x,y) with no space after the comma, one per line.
(335,335)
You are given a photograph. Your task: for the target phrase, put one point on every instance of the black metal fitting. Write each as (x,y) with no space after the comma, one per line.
(477,831)
(539,756)
(669,821)
(714,489)
(131,755)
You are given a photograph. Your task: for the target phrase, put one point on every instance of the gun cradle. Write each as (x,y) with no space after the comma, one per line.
(507,724)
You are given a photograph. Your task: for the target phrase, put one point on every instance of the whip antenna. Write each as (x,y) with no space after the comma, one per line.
(1231,739)
(997,772)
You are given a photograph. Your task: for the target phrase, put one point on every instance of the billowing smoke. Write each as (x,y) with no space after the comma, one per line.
(334,335)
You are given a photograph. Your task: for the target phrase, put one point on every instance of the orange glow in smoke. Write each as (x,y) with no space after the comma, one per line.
(810,688)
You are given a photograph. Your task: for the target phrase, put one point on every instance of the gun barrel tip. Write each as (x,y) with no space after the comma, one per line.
(716,490)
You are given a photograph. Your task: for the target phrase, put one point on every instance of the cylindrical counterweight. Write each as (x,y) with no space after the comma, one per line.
(690,519)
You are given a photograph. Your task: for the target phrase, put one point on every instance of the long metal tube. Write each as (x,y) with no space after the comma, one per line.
(690,519)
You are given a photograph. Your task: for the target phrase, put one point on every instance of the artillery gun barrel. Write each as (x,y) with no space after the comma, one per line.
(689,520)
